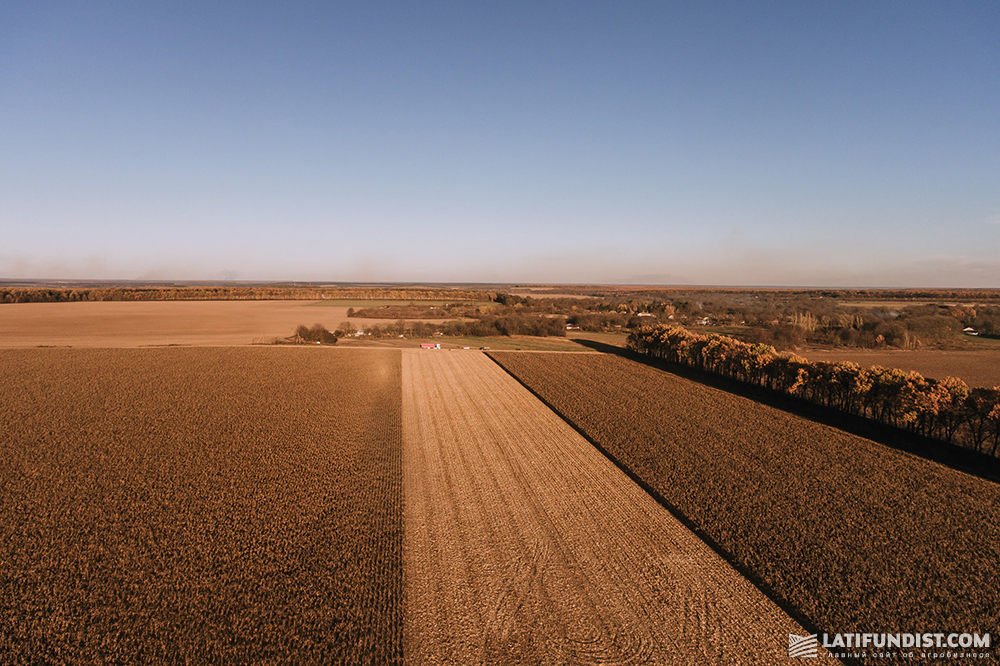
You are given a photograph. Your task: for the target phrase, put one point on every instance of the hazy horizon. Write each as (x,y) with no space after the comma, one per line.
(848,145)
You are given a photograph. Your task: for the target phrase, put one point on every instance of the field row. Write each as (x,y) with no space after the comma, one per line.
(524,545)
(856,536)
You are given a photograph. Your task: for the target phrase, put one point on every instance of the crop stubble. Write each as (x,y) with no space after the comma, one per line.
(200,506)
(523,544)
(857,536)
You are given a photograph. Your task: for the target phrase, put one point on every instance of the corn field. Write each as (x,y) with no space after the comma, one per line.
(228,505)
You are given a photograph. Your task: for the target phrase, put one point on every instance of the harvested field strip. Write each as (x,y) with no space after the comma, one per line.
(200,506)
(856,536)
(523,544)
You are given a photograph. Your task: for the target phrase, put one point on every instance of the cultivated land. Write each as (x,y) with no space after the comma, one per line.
(524,545)
(246,505)
(975,367)
(856,536)
(155,323)
(200,506)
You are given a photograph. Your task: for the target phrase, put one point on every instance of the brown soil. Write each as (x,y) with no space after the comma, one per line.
(856,536)
(524,545)
(976,368)
(159,323)
(200,506)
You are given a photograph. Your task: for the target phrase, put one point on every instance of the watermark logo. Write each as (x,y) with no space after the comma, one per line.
(917,645)
(801,647)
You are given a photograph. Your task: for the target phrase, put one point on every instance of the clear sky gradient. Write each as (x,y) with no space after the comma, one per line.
(791,143)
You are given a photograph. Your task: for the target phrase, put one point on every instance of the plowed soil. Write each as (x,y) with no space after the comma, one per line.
(980,367)
(524,545)
(856,536)
(223,506)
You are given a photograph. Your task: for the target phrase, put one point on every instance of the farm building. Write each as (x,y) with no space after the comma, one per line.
(429,345)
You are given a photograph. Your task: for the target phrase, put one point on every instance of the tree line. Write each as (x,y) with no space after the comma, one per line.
(416,310)
(947,409)
(315,333)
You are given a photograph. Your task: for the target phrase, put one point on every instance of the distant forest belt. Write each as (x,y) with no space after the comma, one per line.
(69,295)
(853,535)
(219,505)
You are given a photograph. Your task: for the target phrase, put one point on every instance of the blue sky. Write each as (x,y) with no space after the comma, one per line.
(788,143)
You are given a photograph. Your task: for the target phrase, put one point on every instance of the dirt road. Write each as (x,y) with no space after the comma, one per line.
(523,544)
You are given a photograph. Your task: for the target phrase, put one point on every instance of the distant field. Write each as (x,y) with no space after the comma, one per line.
(856,536)
(975,367)
(582,337)
(151,323)
(200,506)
